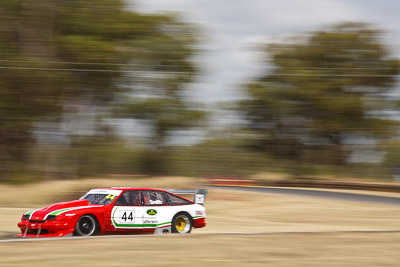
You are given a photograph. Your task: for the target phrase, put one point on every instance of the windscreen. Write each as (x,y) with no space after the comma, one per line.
(101,196)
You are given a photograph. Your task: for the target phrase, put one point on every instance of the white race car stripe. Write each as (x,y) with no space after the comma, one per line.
(31,212)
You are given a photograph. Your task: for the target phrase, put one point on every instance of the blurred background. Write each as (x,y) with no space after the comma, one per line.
(199,88)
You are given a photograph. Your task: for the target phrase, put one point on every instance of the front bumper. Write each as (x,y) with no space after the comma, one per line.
(48,228)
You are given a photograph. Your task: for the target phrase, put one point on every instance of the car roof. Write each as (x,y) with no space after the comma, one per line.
(128,188)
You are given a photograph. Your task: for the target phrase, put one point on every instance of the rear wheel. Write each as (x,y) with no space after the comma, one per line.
(182,223)
(86,226)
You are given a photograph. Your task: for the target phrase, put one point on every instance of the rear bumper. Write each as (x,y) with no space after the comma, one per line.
(45,229)
(199,223)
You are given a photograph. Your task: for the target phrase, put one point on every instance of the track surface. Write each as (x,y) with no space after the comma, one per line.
(321,194)
(203,234)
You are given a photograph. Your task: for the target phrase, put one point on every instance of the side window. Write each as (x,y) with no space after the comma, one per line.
(175,200)
(152,198)
(129,198)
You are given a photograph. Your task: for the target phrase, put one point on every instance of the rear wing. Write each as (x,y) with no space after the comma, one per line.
(199,194)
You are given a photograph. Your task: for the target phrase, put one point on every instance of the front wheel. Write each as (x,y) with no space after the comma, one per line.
(86,226)
(182,223)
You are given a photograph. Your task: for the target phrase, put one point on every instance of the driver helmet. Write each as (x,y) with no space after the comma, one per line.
(153,195)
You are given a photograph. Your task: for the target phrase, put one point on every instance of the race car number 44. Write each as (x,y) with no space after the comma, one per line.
(126,216)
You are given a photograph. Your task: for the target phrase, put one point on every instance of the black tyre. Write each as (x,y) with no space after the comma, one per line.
(86,226)
(182,223)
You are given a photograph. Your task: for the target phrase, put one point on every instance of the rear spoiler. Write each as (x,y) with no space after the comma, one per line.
(199,194)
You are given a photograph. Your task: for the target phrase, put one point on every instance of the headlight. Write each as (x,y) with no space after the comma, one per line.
(51,217)
(26,217)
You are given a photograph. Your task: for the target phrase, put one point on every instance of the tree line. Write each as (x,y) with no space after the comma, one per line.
(69,67)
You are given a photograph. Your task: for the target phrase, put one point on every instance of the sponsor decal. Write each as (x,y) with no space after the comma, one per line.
(150,222)
(112,192)
(199,199)
(151,212)
(199,213)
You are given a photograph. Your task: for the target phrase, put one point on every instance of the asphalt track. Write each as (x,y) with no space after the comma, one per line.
(354,197)
(315,193)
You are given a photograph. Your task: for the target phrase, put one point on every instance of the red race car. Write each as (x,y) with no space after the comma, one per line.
(118,210)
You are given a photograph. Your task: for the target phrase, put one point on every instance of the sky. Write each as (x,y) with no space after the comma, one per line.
(233,28)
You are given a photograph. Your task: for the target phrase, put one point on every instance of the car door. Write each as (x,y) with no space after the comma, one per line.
(156,213)
(127,212)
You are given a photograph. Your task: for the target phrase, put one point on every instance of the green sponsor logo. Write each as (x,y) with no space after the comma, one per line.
(151,212)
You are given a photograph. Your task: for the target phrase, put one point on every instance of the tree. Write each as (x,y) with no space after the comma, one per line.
(164,115)
(26,94)
(323,92)
(167,68)
(71,56)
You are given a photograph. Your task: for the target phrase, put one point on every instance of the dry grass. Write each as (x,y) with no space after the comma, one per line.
(232,211)
(270,176)
(279,176)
